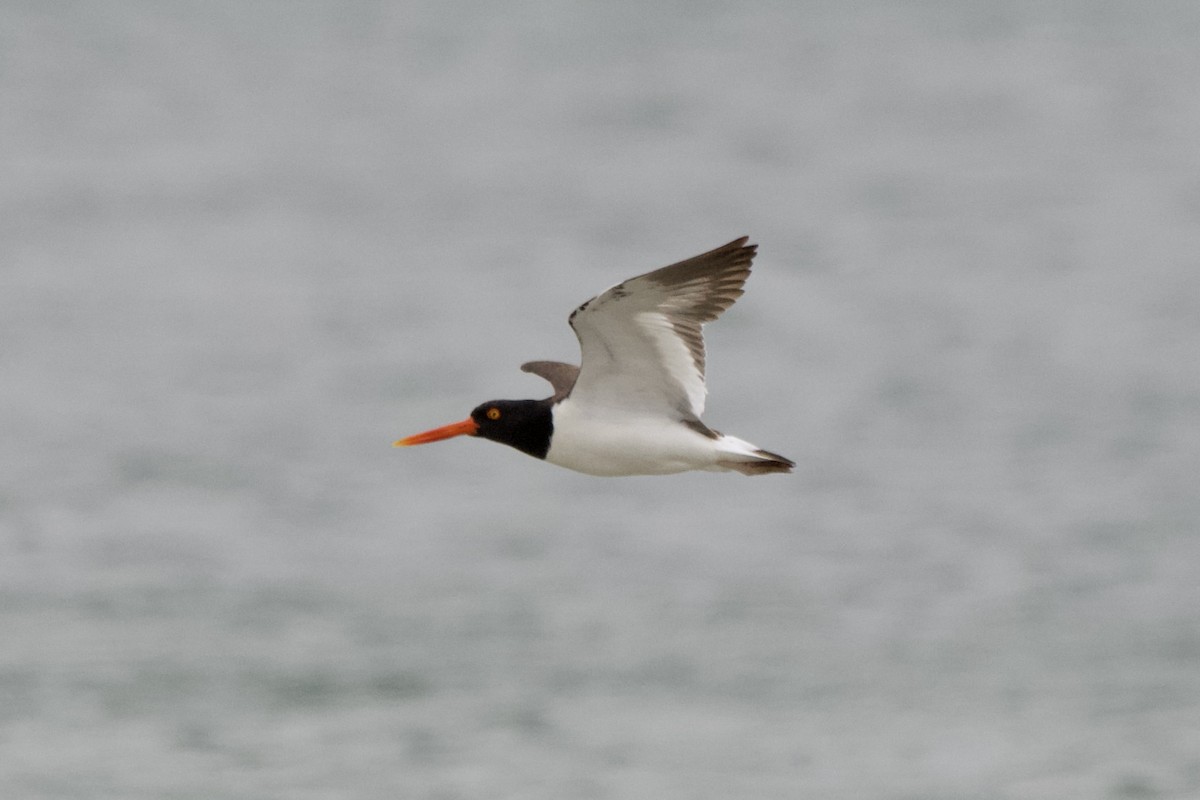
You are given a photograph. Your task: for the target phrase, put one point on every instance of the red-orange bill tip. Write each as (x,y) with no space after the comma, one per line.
(465,428)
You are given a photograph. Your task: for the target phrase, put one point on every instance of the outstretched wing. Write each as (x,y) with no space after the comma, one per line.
(641,340)
(561,376)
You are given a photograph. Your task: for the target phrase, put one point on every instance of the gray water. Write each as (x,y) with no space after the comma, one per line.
(244,246)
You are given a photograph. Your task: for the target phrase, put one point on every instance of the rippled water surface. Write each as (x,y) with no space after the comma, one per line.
(244,247)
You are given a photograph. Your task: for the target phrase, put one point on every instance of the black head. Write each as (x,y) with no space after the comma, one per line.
(523,424)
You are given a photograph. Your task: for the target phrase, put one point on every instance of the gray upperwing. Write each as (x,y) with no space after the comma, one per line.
(561,376)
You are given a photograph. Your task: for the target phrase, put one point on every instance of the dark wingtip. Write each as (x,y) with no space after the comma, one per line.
(561,376)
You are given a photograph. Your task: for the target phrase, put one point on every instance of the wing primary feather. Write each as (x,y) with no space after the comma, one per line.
(701,288)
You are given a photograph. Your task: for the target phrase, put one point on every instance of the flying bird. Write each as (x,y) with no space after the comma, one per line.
(633,406)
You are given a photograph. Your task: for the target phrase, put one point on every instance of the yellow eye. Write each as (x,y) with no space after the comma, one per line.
(493,413)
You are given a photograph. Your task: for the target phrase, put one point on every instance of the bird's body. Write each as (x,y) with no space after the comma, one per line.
(633,406)
(598,443)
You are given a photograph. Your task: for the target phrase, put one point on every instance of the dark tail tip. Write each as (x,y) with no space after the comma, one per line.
(770,463)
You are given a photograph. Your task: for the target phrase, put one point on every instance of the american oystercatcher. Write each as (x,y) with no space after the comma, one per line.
(633,407)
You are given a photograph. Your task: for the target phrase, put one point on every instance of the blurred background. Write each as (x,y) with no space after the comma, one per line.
(244,246)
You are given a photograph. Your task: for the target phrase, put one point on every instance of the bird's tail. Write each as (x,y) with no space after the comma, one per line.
(743,457)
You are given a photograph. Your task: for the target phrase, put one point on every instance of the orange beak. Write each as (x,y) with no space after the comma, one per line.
(466,427)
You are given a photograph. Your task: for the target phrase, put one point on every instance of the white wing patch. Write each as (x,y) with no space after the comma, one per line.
(641,340)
